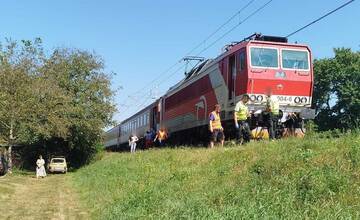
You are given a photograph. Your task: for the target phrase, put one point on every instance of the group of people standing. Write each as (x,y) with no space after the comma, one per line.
(151,139)
(241,116)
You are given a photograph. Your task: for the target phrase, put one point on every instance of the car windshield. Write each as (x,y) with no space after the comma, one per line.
(57,160)
(295,59)
(264,57)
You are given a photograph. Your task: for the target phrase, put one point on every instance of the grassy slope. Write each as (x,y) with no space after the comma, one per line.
(314,177)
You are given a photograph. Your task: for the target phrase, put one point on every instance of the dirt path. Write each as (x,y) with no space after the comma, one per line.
(25,197)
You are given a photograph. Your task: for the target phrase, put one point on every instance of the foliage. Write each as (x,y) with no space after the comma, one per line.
(64,96)
(90,107)
(18,66)
(316,178)
(337,90)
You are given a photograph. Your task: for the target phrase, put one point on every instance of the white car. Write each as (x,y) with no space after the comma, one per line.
(58,164)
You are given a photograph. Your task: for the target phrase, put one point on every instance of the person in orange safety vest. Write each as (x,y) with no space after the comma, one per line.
(215,127)
(161,136)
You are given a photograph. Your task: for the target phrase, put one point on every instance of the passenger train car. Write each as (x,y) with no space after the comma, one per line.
(254,66)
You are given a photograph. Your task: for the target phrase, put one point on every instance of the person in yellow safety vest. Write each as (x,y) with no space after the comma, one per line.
(241,114)
(272,117)
(215,127)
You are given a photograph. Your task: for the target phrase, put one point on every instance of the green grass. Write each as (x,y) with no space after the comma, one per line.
(316,178)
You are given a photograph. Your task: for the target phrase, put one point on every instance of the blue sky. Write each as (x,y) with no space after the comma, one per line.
(139,40)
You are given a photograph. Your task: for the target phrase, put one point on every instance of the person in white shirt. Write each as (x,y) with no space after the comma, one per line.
(132,143)
(40,167)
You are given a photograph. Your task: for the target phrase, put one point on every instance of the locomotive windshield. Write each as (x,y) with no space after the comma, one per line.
(295,59)
(264,57)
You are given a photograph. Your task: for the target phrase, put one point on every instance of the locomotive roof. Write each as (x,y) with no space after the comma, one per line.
(232,49)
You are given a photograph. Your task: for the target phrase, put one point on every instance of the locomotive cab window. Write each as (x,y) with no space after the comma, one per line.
(264,57)
(295,59)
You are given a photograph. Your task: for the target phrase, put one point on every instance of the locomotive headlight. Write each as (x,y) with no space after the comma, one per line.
(259,98)
(253,98)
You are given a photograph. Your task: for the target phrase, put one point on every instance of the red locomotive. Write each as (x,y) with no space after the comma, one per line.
(253,66)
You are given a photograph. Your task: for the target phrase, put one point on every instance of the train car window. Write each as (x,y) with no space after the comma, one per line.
(295,59)
(242,61)
(264,57)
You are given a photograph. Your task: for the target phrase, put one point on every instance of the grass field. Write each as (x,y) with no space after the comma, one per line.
(315,177)
(22,196)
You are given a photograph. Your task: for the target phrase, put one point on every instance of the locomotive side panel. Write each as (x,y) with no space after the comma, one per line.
(189,106)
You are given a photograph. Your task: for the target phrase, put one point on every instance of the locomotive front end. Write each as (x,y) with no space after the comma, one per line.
(283,72)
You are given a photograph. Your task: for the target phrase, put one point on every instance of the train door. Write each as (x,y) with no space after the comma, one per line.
(241,76)
(161,109)
(153,118)
(231,78)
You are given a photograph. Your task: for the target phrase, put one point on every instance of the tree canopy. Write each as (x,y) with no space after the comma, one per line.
(65,96)
(337,90)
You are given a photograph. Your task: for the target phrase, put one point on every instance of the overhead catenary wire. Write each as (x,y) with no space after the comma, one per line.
(320,18)
(234,27)
(225,34)
(192,50)
(221,26)
(197,46)
(218,39)
(248,17)
(259,9)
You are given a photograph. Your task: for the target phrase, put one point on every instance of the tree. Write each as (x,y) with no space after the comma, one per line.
(90,108)
(337,90)
(17,66)
(65,96)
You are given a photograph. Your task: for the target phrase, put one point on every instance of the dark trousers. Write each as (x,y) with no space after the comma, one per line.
(271,123)
(243,132)
(160,143)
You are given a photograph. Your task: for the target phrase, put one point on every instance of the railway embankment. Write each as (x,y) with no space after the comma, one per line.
(317,177)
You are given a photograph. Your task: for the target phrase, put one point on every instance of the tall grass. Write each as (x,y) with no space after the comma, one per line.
(288,179)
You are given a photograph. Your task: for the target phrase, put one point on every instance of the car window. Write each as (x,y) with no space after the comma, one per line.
(57,160)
